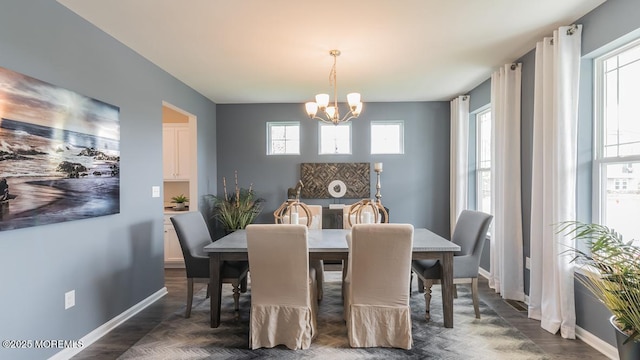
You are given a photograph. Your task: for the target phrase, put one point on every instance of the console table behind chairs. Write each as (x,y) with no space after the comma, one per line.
(334,218)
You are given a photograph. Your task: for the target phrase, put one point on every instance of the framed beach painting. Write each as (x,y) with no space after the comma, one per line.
(59,154)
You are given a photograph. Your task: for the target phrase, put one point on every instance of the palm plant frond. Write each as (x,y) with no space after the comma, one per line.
(615,280)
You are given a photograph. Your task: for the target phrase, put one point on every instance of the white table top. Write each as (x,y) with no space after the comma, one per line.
(334,240)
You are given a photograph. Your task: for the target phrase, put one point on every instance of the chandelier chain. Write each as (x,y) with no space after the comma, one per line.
(333,81)
(332,73)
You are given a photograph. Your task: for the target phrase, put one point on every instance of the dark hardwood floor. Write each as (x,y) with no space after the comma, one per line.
(553,344)
(122,338)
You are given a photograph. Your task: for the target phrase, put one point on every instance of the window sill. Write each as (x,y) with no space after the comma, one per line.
(585,270)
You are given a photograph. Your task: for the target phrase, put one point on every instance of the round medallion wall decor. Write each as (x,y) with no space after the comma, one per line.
(335,180)
(337,188)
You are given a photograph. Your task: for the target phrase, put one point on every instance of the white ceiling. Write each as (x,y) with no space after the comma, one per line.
(277,51)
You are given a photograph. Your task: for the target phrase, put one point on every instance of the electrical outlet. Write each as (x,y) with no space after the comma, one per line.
(155,191)
(69,299)
(527,263)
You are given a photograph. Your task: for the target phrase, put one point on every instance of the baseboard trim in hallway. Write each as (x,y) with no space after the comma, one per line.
(105,328)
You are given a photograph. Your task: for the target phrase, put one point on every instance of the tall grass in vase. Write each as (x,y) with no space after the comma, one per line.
(238,209)
(612,272)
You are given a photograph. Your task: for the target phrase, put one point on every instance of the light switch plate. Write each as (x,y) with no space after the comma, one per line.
(69,299)
(155,191)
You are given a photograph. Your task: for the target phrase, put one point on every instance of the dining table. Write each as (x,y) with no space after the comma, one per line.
(331,244)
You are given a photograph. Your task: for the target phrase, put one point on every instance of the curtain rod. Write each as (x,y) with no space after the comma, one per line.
(570,31)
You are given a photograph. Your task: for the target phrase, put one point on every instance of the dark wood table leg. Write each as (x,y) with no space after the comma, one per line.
(215,286)
(447,288)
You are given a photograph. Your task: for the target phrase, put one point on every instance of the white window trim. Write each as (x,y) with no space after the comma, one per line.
(477,114)
(599,185)
(269,142)
(387,122)
(350,152)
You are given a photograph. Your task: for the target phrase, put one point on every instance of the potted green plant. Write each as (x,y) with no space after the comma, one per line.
(237,210)
(180,201)
(613,276)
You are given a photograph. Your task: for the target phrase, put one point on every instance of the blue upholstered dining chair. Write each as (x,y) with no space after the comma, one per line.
(193,236)
(469,233)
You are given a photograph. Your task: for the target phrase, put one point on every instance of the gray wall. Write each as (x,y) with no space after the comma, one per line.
(415,186)
(480,96)
(112,262)
(610,25)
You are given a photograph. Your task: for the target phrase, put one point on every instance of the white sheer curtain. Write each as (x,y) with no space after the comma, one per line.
(506,237)
(553,198)
(459,177)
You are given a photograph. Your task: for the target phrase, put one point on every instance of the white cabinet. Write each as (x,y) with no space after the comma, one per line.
(176,155)
(172,251)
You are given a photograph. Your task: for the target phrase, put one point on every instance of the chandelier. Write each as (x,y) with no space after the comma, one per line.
(331,114)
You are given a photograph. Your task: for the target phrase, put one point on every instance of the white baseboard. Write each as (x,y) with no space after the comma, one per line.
(484,273)
(174,265)
(105,328)
(595,342)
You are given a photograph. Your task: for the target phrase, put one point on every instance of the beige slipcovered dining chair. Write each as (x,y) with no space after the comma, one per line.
(193,236)
(469,233)
(318,265)
(283,288)
(346,212)
(377,296)
(314,224)
(316,217)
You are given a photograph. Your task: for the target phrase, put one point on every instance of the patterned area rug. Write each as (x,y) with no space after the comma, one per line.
(490,337)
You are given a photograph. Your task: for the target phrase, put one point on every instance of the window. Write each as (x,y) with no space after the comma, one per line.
(483,155)
(617,132)
(621,184)
(387,137)
(335,139)
(283,138)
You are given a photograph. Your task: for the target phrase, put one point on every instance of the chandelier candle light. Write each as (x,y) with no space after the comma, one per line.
(331,113)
